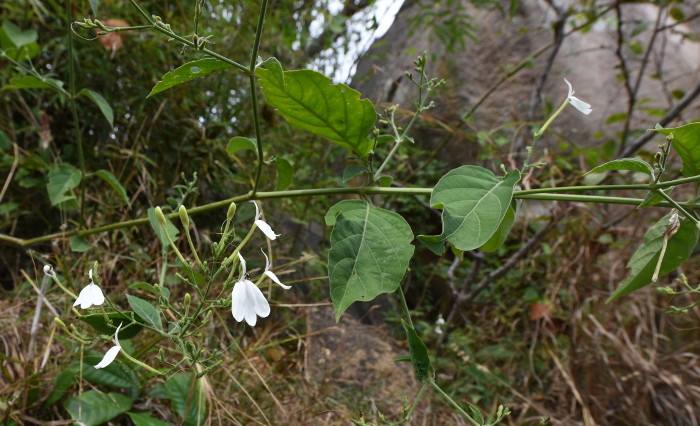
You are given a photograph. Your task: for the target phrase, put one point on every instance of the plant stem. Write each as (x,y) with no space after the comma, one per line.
(139,363)
(679,207)
(452,401)
(254,94)
(74,112)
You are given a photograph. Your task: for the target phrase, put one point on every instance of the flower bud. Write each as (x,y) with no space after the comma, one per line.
(231,211)
(186,303)
(182,211)
(59,323)
(160,216)
(666,290)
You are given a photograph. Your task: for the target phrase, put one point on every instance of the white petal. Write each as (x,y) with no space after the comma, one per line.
(47,269)
(274,278)
(239,301)
(243,270)
(89,295)
(90,274)
(580,105)
(265,228)
(109,357)
(571,89)
(258,301)
(257,211)
(116,334)
(267,261)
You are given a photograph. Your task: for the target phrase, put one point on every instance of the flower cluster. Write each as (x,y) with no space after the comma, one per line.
(247,300)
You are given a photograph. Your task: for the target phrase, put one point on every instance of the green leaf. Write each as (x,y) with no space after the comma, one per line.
(114,375)
(353,170)
(420,359)
(112,180)
(643,262)
(17,44)
(99,323)
(474,202)
(93,408)
(499,237)
(158,228)
(187,399)
(146,311)
(145,419)
(653,198)
(239,142)
(274,66)
(32,82)
(78,244)
(309,101)
(61,180)
(636,164)
(188,72)
(101,103)
(369,255)
(285,174)
(62,382)
(686,141)
(8,207)
(94,5)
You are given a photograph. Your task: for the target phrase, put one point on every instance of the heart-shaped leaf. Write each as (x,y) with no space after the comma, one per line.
(369,255)
(474,202)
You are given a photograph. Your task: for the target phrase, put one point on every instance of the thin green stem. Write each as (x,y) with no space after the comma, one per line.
(139,363)
(404,306)
(65,290)
(679,207)
(539,133)
(452,402)
(254,93)
(539,195)
(74,112)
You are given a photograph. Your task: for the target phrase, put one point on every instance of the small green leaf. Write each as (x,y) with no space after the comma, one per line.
(146,311)
(8,207)
(369,255)
(145,419)
(94,408)
(309,101)
(187,398)
(101,103)
(353,170)
(62,382)
(78,244)
(636,164)
(285,174)
(614,118)
(188,72)
(32,82)
(474,202)
(274,66)
(17,44)
(239,142)
(112,180)
(385,181)
(686,141)
(676,13)
(420,359)
(61,180)
(643,262)
(169,227)
(653,198)
(499,237)
(94,5)
(99,323)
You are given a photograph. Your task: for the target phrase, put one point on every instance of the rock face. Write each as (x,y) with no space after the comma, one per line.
(589,57)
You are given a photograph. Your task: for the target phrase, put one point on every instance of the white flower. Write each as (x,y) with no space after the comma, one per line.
(247,301)
(48,270)
(272,275)
(264,227)
(90,295)
(580,105)
(112,352)
(440,321)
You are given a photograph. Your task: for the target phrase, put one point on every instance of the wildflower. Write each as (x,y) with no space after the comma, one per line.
(264,227)
(272,275)
(580,105)
(112,352)
(440,321)
(247,301)
(90,295)
(48,270)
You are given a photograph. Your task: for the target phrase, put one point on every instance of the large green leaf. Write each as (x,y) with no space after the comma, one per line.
(61,180)
(100,323)
(369,255)
(94,408)
(187,398)
(643,262)
(309,101)
(146,311)
(686,140)
(114,375)
(636,164)
(188,72)
(474,202)
(499,237)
